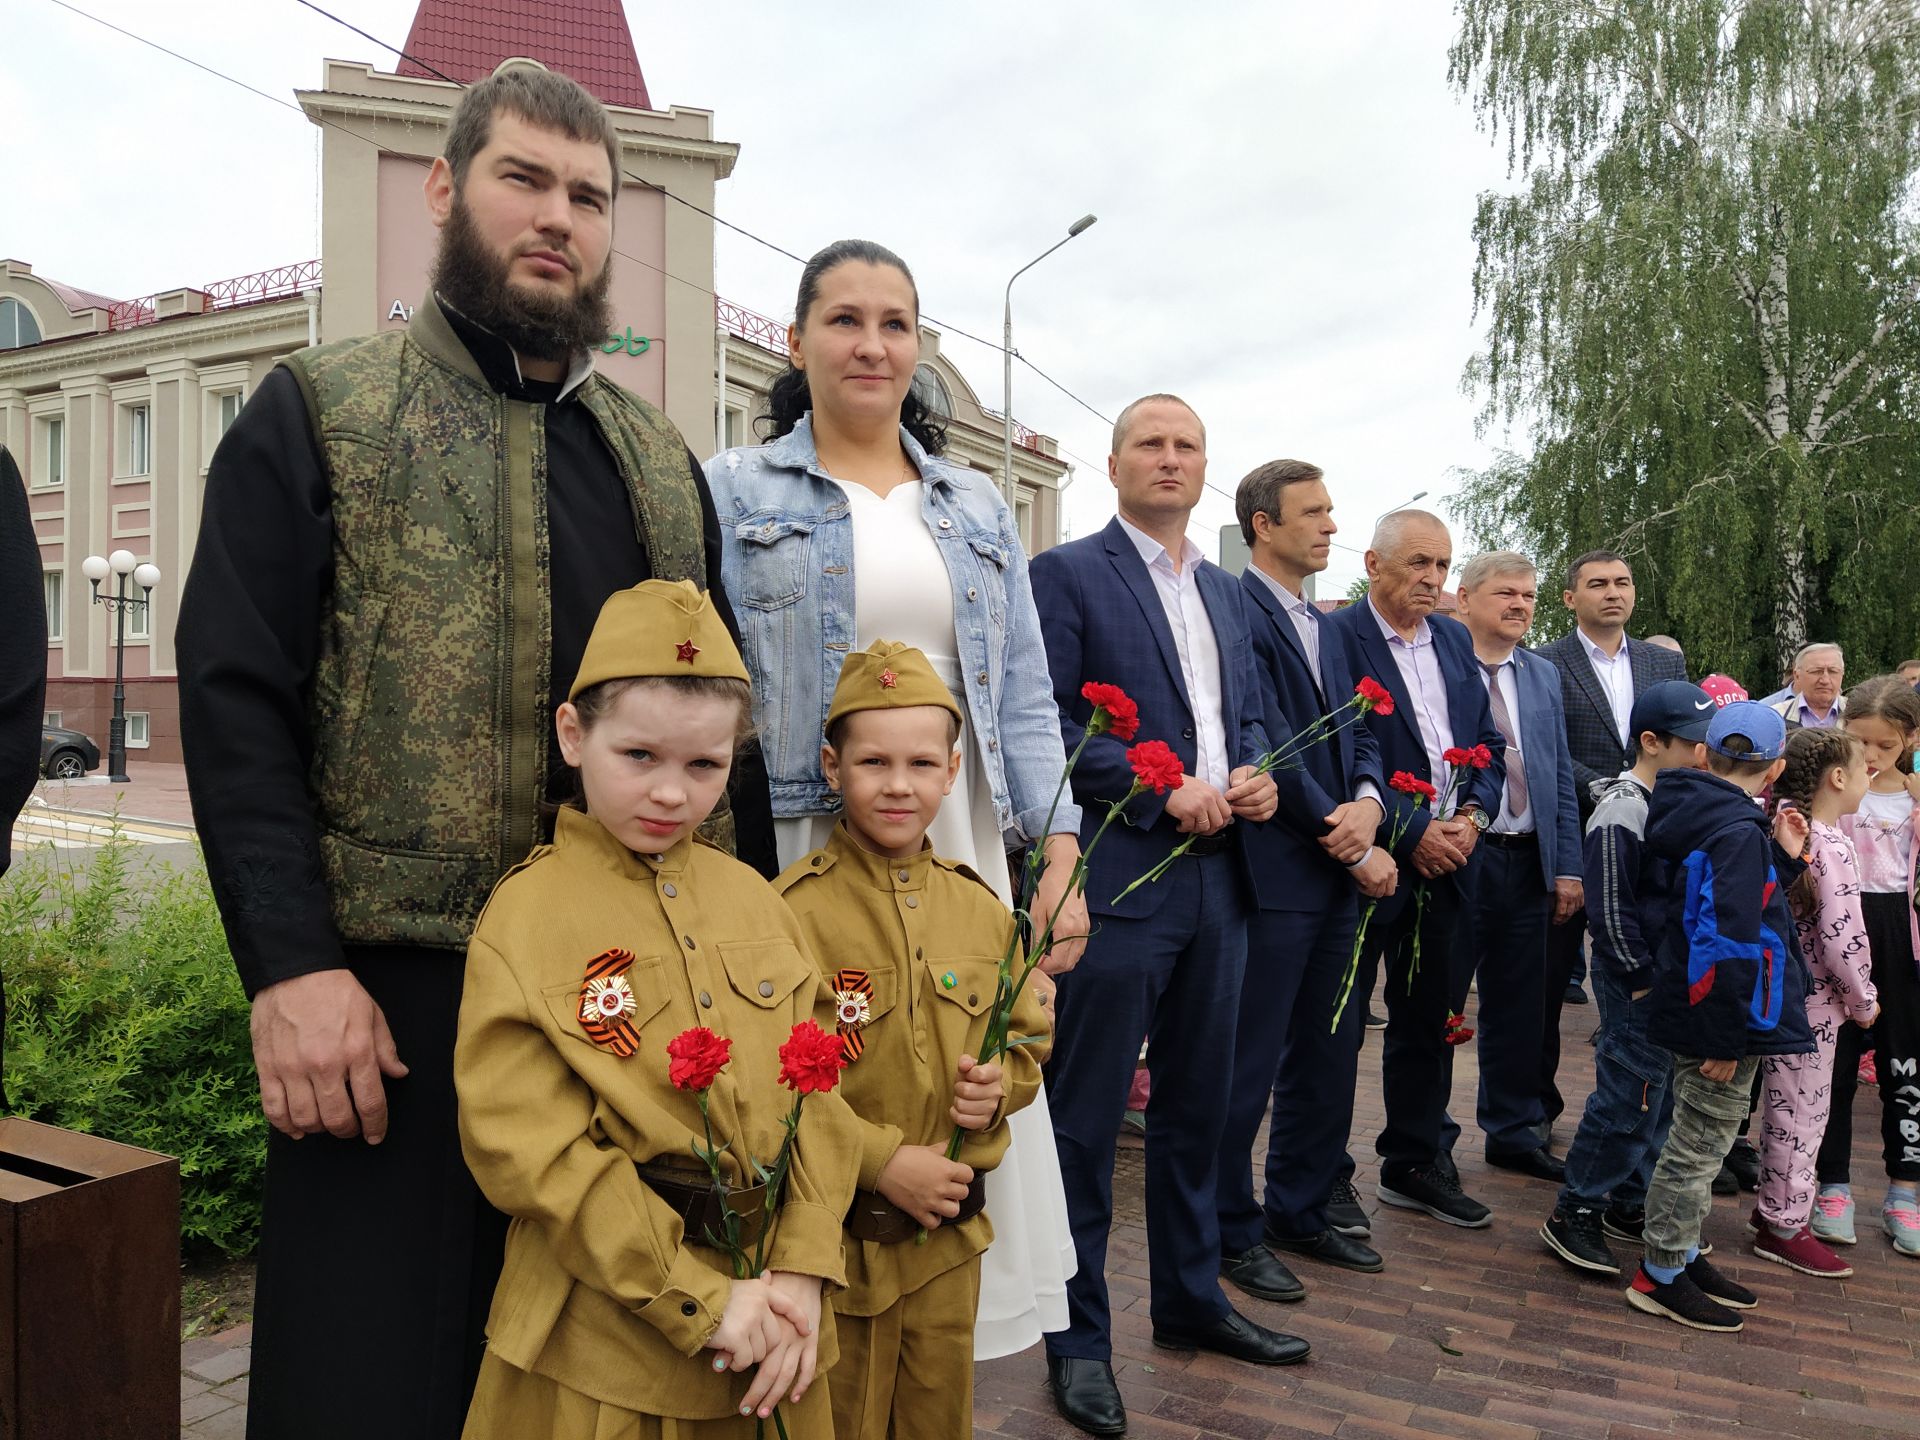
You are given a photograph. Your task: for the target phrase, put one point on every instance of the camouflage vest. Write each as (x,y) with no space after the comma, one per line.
(431,697)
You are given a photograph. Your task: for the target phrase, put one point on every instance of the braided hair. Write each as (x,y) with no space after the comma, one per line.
(1810,755)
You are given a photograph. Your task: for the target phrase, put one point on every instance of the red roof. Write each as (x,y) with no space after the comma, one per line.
(587,39)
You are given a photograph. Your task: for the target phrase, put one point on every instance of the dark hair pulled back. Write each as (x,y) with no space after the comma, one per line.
(790,398)
(1810,755)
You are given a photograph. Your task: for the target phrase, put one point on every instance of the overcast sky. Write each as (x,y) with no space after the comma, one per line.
(1284,189)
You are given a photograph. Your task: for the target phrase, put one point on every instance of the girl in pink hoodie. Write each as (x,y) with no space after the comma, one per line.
(1825,777)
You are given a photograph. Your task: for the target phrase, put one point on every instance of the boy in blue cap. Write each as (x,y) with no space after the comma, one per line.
(1728,987)
(1625,1123)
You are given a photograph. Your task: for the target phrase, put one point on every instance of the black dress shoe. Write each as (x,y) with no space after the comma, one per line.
(1540,1163)
(1575,995)
(1330,1247)
(1085,1395)
(1236,1337)
(1744,1161)
(1262,1276)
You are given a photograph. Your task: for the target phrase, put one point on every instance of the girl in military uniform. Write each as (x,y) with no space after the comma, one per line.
(914,942)
(613,1316)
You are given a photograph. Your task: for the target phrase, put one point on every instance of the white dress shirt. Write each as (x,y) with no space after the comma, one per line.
(1419,663)
(1194,640)
(1616,678)
(1307,621)
(1510,821)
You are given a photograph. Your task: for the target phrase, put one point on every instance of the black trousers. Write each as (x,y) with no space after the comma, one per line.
(1895,1041)
(1416,1061)
(1566,960)
(377,1262)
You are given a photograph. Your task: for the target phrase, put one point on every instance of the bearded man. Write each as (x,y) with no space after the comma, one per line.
(406,540)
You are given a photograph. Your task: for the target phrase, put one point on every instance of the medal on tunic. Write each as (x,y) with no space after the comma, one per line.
(606,1000)
(852,1009)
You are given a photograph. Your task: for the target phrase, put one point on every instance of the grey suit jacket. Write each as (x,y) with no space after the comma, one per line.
(1598,750)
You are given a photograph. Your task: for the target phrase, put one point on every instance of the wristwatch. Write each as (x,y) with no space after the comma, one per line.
(1481,820)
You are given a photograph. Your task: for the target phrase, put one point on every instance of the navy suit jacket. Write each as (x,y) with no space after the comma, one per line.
(1290,870)
(1101,618)
(1399,733)
(1543,743)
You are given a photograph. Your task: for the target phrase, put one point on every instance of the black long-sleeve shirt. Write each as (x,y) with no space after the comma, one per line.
(249,639)
(23,652)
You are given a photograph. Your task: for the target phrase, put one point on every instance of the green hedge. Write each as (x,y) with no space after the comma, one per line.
(125,1020)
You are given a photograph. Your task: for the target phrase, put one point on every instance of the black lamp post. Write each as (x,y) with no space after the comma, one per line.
(96,568)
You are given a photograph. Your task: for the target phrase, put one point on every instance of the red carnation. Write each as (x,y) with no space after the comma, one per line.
(1457,1031)
(1408,783)
(1156,767)
(1114,712)
(1374,696)
(698,1056)
(1480,757)
(1457,756)
(811,1060)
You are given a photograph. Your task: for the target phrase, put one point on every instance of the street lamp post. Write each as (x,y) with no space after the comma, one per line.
(1006,351)
(122,565)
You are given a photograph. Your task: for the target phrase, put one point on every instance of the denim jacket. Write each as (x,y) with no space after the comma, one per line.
(787,561)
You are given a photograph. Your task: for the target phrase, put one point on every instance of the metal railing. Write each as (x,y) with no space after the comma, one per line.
(279,283)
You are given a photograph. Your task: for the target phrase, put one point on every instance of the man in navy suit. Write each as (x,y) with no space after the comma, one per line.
(1440,703)
(1311,863)
(1138,606)
(1526,870)
(1602,672)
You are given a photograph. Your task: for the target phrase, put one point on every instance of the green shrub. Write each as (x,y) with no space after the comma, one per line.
(125,1020)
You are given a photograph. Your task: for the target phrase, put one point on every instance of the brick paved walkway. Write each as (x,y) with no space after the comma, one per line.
(1468,1333)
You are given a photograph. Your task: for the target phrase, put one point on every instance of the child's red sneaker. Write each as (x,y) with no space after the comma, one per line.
(1802,1252)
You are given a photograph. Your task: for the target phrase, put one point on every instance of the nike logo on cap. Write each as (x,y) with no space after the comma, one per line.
(1704,705)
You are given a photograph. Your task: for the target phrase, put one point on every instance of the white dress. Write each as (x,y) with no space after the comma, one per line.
(902,593)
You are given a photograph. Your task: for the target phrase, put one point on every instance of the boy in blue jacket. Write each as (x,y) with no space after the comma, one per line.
(1625,1123)
(1728,987)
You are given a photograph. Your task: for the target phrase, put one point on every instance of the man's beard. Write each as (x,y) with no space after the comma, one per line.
(474,280)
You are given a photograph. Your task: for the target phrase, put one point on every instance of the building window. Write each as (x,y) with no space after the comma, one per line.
(55,587)
(139,729)
(1023,522)
(17,325)
(736,426)
(52,469)
(139,440)
(139,618)
(932,392)
(51,719)
(230,403)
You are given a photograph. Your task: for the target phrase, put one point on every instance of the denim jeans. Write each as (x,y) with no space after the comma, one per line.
(1707,1115)
(1627,1115)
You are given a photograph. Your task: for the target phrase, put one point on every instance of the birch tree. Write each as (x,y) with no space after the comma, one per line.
(1699,300)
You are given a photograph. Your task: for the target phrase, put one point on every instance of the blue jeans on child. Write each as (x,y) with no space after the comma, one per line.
(1627,1115)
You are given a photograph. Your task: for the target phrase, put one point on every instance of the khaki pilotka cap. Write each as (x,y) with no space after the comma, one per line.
(658,628)
(889,676)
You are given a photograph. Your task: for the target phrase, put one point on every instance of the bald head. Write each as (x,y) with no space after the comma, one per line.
(1407,566)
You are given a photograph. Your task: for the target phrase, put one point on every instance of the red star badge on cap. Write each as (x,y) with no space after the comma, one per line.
(888,679)
(686,650)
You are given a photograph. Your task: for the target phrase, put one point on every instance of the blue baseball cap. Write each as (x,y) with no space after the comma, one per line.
(1673,707)
(1759,725)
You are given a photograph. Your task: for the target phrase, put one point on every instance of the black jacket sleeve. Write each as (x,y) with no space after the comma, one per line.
(23,653)
(747,792)
(247,642)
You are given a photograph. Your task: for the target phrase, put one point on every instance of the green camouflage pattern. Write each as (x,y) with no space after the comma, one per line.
(430,706)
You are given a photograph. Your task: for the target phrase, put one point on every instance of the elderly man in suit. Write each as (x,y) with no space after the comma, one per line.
(1139,606)
(1526,870)
(1311,864)
(1440,703)
(1602,672)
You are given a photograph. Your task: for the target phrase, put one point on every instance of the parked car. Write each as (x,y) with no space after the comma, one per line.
(66,754)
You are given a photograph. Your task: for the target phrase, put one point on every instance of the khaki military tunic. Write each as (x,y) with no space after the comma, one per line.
(929,935)
(601,1292)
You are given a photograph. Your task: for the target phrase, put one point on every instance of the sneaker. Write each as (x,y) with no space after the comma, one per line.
(1726,1182)
(1744,1161)
(1718,1288)
(1375,1020)
(1833,1219)
(1682,1301)
(1626,1222)
(1576,1235)
(1869,1071)
(1436,1191)
(1902,1222)
(1344,1215)
(1801,1252)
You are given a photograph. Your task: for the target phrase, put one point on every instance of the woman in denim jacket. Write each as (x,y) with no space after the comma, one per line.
(852,485)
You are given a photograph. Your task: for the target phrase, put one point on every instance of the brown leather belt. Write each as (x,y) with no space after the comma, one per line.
(702,1206)
(874,1217)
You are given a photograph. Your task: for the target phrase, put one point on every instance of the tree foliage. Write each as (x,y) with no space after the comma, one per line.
(1700,307)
